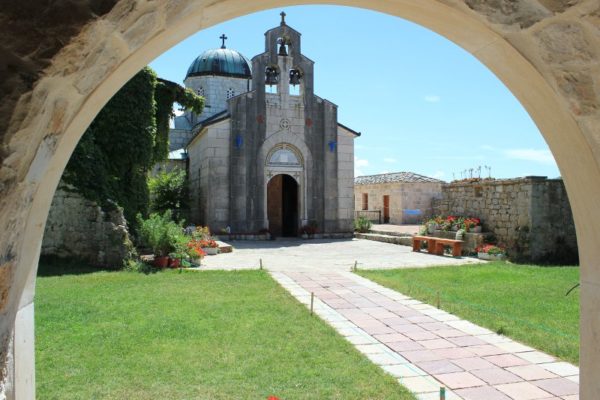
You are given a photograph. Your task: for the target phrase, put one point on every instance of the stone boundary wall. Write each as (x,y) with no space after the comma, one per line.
(79,228)
(531,216)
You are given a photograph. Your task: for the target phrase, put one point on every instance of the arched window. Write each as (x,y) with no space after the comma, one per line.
(284,156)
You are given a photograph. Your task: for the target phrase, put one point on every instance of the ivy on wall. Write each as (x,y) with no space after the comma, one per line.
(129,135)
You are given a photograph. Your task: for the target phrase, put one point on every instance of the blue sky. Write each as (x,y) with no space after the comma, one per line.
(422,103)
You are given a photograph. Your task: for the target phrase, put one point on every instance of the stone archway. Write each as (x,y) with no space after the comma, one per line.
(59,72)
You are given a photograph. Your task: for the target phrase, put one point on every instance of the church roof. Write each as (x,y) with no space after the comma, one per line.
(222,62)
(401,177)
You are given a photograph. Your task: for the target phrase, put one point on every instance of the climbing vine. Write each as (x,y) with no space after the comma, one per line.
(130,134)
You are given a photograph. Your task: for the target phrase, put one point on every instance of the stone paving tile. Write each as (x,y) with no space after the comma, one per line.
(371,348)
(466,340)
(472,363)
(419,319)
(436,344)
(536,357)
(420,384)
(409,328)
(404,370)
(531,372)
(434,326)
(454,353)
(405,346)
(420,355)
(386,358)
(486,350)
(449,333)
(523,391)
(493,338)
(514,347)
(506,360)
(421,336)
(482,393)
(561,368)
(391,338)
(459,380)
(558,386)
(439,367)
(496,376)
(394,321)
(571,397)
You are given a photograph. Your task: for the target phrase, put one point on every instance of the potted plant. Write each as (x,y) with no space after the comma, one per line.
(491,252)
(472,225)
(195,252)
(209,246)
(161,234)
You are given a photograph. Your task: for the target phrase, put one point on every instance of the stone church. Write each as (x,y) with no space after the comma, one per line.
(266,153)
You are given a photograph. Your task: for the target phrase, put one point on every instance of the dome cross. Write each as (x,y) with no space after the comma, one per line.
(283,14)
(223,38)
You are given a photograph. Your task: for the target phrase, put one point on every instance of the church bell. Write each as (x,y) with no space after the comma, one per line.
(295,76)
(271,76)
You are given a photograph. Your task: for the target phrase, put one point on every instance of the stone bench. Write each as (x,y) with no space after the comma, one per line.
(435,245)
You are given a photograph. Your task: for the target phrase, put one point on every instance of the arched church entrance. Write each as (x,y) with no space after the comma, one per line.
(282,205)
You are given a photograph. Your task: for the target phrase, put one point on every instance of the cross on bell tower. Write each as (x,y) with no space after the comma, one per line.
(223,38)
(283,14)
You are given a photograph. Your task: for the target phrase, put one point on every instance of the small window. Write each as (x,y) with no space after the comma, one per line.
(365,201)
(230,93)
(200,91)
(271,89)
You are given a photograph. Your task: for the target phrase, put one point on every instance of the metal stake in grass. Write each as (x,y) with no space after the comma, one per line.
(261,263)
(312,302)
(442,393)
(355,268)
(438,299)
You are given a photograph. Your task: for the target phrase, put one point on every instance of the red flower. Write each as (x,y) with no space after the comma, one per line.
(273,398)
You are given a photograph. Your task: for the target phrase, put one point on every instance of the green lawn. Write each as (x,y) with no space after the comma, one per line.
(524,302)
(191,335)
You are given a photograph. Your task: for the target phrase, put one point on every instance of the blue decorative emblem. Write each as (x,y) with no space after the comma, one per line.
(332,144)
(239,141)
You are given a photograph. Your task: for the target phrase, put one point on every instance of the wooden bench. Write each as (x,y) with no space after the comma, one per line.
(435,245)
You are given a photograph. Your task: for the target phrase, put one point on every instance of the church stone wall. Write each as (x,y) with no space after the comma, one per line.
(403,196)
(345,148)
(214,89)
(80,229)
(208,176)
(531,216)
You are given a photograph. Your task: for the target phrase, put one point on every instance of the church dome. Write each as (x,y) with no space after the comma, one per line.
(222,62)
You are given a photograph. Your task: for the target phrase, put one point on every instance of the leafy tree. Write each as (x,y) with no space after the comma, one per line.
(111,162)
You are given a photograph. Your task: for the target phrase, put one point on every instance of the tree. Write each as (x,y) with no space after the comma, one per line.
(129,135)
(169,191)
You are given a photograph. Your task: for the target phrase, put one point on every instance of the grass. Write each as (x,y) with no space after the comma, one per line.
(525,302)
(191,335)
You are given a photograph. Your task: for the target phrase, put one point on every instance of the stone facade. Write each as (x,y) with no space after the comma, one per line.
(531,216)
(410,196)
(79,228)
(273,129)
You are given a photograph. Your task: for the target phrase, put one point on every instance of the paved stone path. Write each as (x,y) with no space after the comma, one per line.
(426,348)
(423,347)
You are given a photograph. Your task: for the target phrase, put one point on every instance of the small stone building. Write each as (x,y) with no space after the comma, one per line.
(531,216)
(266,153)
(396,198)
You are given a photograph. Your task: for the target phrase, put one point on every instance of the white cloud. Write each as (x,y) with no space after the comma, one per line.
(358,164)
(390,160)
(432,98)
(540,156)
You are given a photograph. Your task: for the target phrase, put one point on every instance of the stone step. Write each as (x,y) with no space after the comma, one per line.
(390,233)
(401,240)
(224,247)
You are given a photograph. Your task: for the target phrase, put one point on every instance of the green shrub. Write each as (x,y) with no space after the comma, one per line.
(362,224)
(160,233)
(168,191)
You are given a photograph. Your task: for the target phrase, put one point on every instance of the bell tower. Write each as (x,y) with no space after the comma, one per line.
(282,69)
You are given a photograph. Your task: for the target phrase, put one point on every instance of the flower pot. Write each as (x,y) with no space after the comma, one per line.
(430,228)
(161,261)
(174,262)
(476,229)
(195,262)
(211,251)
(304,236)
(490,257)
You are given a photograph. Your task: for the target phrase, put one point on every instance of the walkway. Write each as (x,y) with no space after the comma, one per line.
(422,346)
